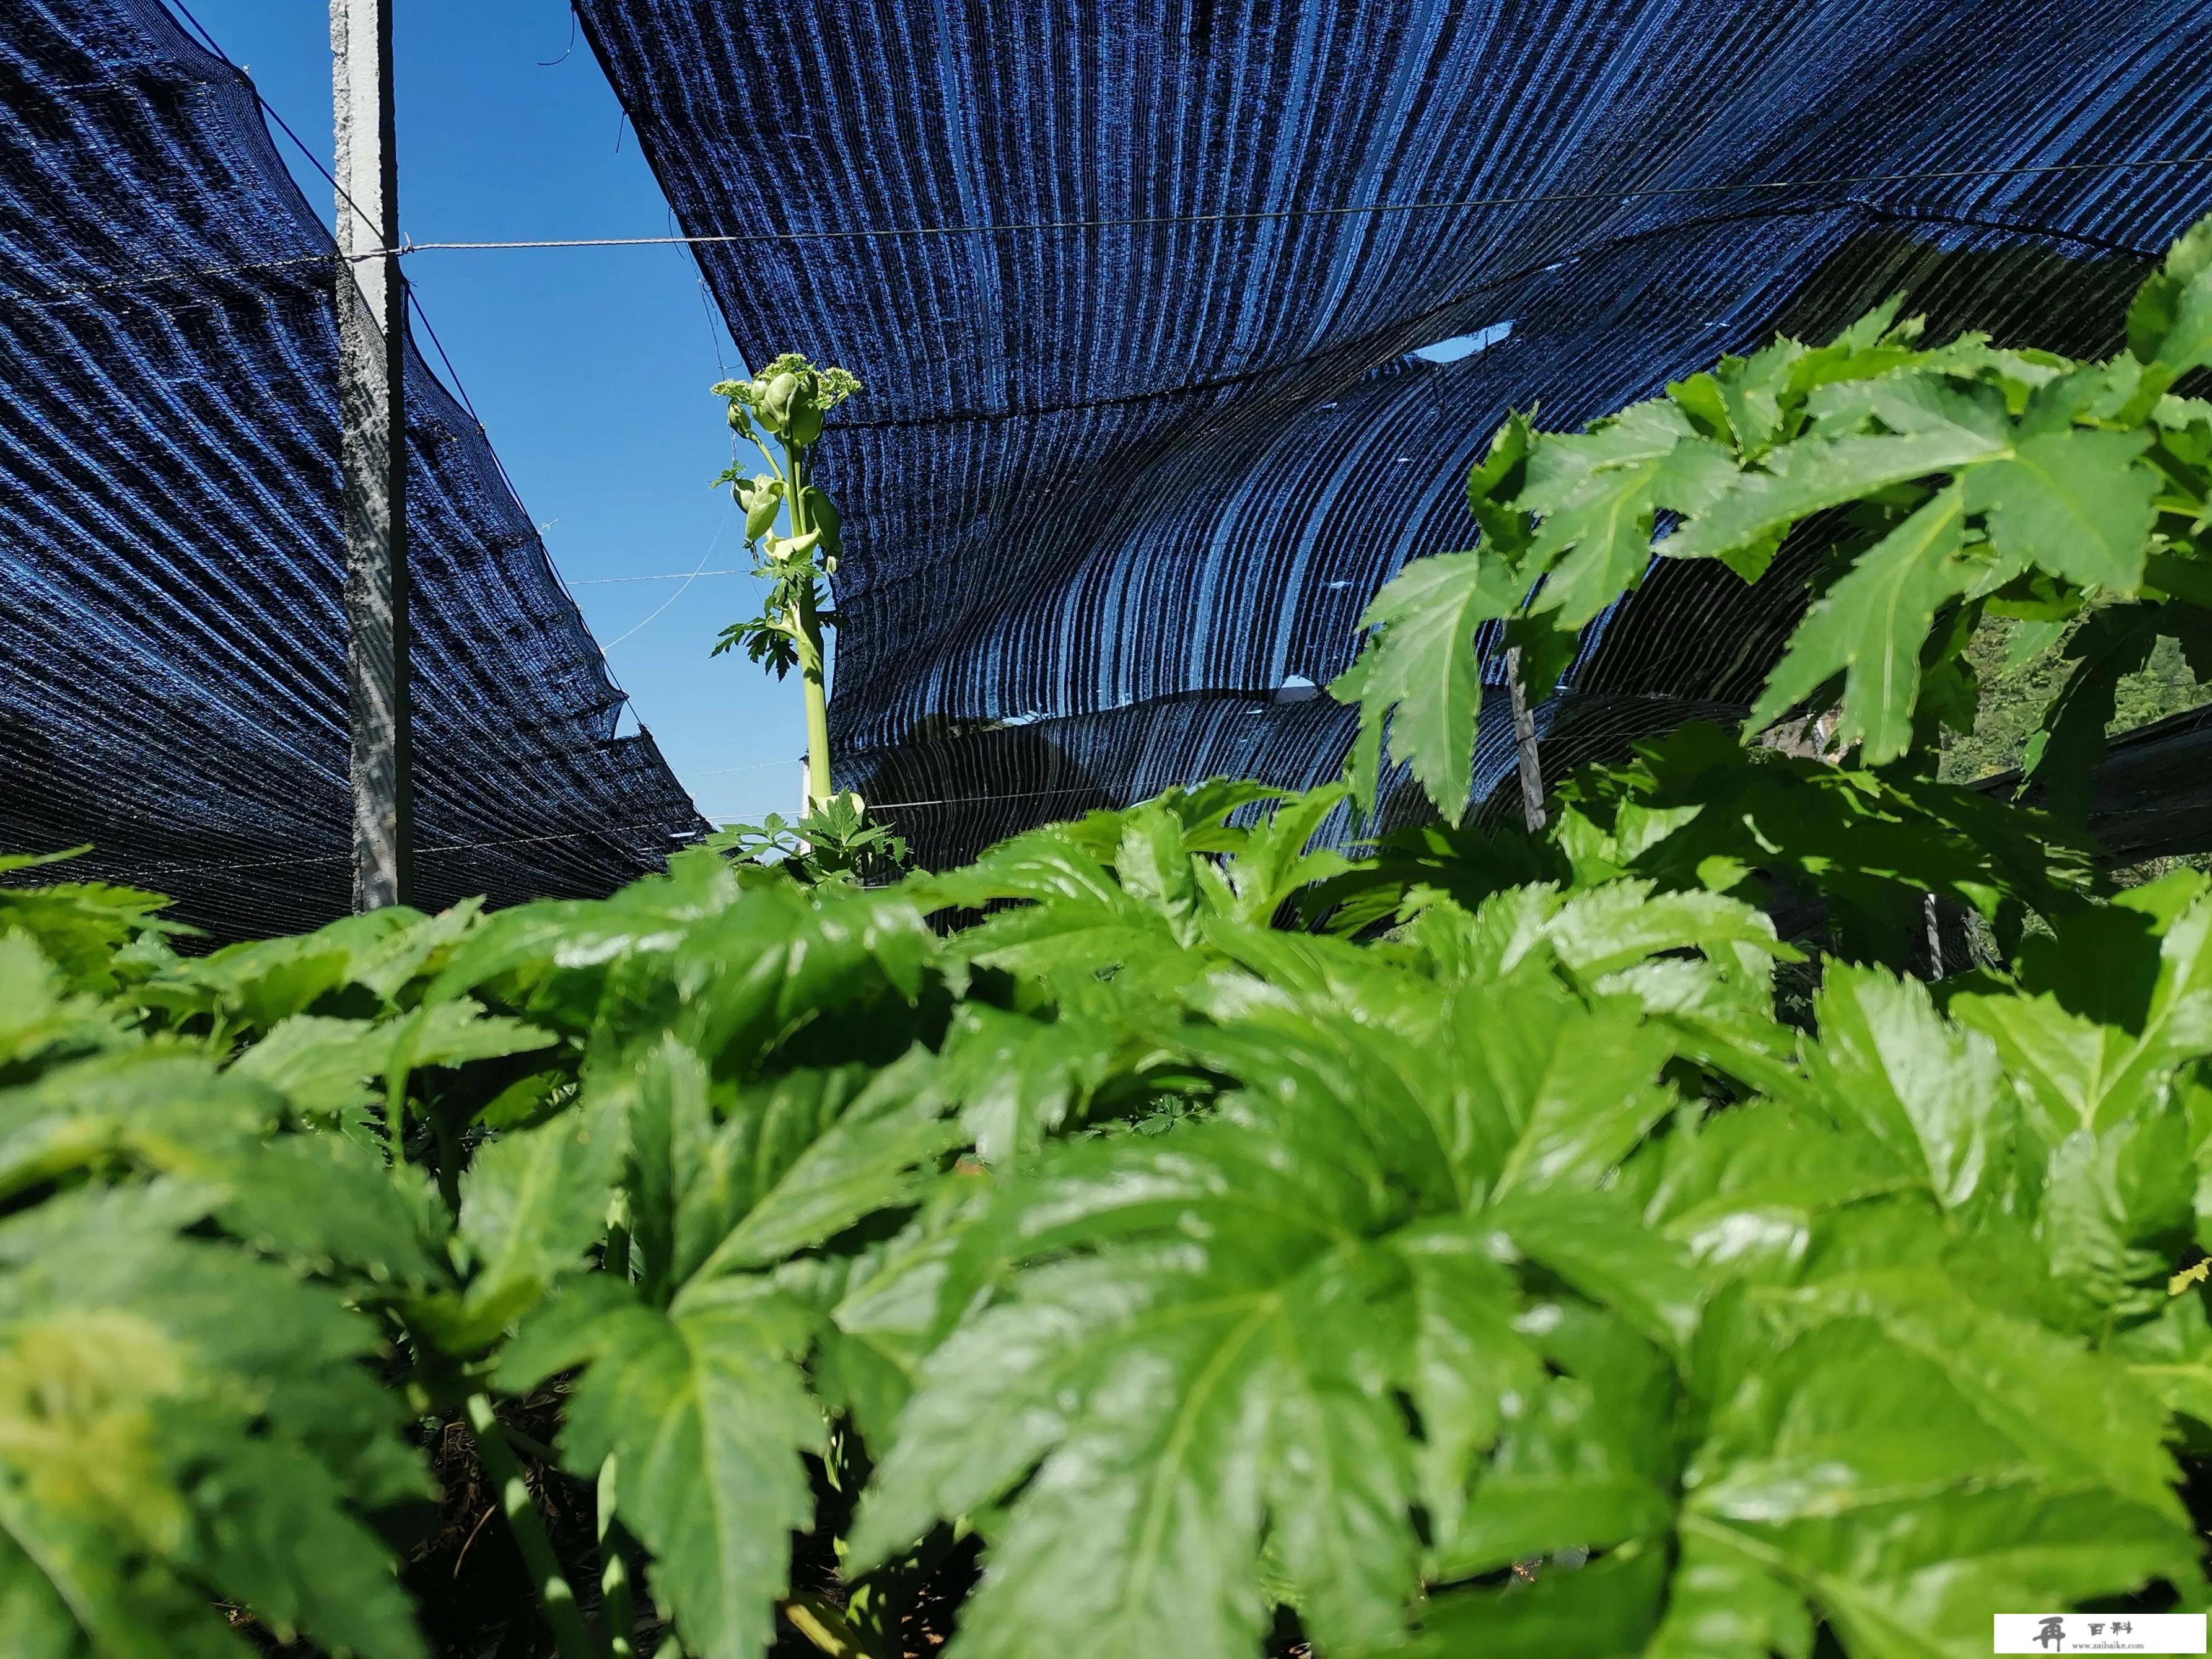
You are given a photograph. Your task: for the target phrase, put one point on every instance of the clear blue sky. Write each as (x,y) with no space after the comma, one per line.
(589,366)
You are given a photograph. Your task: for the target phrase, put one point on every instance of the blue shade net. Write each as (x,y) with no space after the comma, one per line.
(172,642)
(1147,419)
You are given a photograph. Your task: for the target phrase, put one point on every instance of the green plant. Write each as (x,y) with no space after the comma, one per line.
(1282,1270)
(787,402)
(1949,483)
(835,841)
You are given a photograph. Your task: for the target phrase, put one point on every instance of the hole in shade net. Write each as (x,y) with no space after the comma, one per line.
(1297,687)
(1464,345)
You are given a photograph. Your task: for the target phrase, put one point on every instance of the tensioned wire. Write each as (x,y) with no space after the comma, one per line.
(607,829)
(1039,228)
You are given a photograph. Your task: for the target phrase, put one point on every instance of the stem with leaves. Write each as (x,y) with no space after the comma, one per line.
(785,403)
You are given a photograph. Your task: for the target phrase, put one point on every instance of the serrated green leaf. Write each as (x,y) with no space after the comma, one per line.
(1467,1360)
(1869,628)
(160,1112)
(1602,1610)
(1910,1459)
(706,1409)
(1819,472)
(2169,324)
(275,1536)
(455,1033)
(1274,864)
(780,958)
(2072,502)
(1725,1603)
(533,1201)
(1888,1064)
(320,1063)
(325,1202)
(1555,1094)
(1597,493)
(1014,1080)
(1421,669)
(814,1154)
(1594,1242)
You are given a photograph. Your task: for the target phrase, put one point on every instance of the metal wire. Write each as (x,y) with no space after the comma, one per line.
(409,247)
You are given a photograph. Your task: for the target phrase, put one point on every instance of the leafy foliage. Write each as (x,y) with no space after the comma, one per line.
(835,841)
(1953,481)
(1615,1241)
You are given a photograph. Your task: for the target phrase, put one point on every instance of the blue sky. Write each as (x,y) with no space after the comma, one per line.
(588,367)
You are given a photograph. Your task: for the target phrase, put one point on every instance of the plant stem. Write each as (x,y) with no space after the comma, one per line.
(818,1619)
(449,1161)
(572,1636)
(616,1612)
(814,688)
(395,1090)
(617,1258)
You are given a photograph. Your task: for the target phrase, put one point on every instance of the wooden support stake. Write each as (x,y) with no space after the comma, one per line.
(372,303)
(1524,745)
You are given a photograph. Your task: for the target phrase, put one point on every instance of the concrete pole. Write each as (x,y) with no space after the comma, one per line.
(371,304)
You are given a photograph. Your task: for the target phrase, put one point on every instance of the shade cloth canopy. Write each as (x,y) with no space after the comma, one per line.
(172,642)
(1133,286)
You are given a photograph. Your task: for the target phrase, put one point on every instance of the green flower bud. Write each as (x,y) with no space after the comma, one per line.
(775,401)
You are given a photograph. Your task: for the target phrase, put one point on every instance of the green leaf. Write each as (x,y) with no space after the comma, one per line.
(2077,1074)
(1870,626)
(158,1111)
(2170,324)
(1819,473)
(1725,1603)
(1014,1080)
(324,1064)
(275,1537)
(455,1033)
(323,1202)
(81,926)
(2073,502)
(1888,1064)
(1468,1361)
(2114,642)
(1141,1536)
(1420,670)
(180,1423)
(320,1063)
(39,1020)
(1273,864)
(754,974)
(533,1201)
(811,1157)
(886,1322)
(1594,1242)
(1176,1395)
(1910,1459)
(1602,1610)
(706,1410)
(1154,865)
(1555,1094)
(1597,493)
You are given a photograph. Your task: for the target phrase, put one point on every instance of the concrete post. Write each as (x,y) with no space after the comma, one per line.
(373,447)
